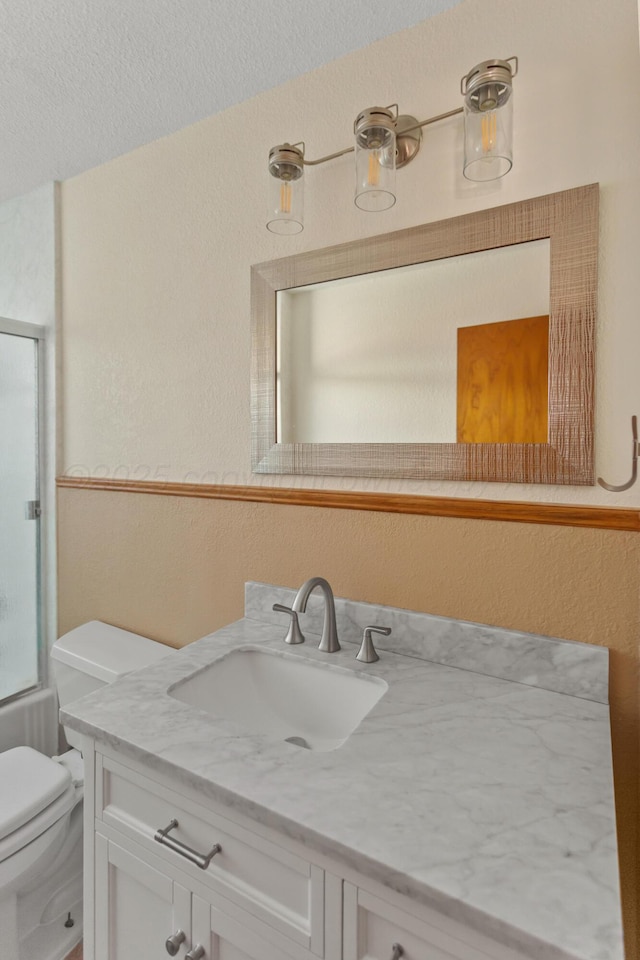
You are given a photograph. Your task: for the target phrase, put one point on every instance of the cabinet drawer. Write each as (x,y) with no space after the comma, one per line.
(270,883)
(375,929)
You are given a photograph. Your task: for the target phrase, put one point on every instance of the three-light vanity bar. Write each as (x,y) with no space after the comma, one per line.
(386,141)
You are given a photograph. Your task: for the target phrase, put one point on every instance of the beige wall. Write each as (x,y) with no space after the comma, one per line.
(156,249)
(157,244)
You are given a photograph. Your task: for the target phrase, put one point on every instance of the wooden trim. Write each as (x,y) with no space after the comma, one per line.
(565,515)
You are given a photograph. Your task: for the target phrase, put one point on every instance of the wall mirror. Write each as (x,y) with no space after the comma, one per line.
(456,350)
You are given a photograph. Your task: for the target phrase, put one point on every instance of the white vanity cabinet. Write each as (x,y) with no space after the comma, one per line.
(467,816)
(262,896)
(255,895)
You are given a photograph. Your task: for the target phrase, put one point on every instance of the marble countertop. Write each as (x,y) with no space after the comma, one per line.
(484,798)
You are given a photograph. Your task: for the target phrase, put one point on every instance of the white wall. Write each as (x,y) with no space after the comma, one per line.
(28,294)
(158,243)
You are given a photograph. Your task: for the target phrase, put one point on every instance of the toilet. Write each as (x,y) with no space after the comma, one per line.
(41,803)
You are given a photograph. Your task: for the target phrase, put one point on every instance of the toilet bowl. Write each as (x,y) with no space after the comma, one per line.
(41,804)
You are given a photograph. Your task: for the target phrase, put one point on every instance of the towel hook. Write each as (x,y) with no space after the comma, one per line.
(634,466)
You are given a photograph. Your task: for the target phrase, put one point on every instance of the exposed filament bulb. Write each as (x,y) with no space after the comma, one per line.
(373,177)
(285,197)
(489,131)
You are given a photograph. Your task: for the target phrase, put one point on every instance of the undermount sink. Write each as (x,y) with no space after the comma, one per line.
(283,696)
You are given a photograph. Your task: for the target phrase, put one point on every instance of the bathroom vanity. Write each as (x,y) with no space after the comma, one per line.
(468,815)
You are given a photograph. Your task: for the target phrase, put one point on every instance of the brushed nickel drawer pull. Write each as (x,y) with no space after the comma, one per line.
(398,951)
(201,860)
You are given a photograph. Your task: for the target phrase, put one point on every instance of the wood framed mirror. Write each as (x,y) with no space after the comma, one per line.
(516,374)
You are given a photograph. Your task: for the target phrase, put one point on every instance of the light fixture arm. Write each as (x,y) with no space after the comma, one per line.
(404,132)
(330,156)
(441,116)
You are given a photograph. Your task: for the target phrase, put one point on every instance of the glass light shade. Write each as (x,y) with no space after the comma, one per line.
(375,151)
(286,191)
(488,120)
(488,142)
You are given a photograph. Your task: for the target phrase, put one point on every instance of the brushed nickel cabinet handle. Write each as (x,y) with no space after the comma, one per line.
(201,860)
(172,943)
(196,953)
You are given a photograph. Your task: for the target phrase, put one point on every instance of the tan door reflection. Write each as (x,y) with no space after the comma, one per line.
(503,390)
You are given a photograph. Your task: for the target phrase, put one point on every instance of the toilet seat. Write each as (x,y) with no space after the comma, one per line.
(35,793)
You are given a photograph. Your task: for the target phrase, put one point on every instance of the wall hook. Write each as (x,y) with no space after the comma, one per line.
(634,465)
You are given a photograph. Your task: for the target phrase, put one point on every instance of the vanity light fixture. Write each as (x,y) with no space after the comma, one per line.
(488,119)
(386,141)
(375,148)
(286,190)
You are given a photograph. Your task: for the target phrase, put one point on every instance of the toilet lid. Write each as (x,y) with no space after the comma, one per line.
(29,782)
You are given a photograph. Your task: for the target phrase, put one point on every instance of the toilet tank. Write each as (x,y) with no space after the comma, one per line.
(95,654)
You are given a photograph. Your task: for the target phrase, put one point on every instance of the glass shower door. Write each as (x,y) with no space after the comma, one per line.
(19,514)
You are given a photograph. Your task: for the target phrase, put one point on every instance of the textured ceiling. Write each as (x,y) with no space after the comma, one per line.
(82,81)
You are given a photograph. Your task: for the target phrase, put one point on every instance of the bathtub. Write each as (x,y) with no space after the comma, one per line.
(31,721)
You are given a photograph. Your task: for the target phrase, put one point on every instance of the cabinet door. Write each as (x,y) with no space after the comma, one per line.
(136,907)
(224,937)
(376,930)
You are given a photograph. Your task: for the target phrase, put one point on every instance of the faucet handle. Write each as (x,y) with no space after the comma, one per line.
(367,653)
(294,633)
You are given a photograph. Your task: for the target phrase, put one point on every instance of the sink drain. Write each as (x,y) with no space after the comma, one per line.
(298,742)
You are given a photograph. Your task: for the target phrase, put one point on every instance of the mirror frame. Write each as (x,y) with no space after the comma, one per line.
(569,219)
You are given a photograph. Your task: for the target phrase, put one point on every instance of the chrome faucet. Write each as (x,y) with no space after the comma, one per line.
(329,641)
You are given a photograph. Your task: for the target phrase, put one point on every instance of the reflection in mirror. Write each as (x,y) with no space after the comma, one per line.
(436,352)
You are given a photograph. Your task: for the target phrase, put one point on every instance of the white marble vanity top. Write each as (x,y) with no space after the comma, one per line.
(487,799)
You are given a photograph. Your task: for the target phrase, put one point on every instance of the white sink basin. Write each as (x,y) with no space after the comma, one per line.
(283,696)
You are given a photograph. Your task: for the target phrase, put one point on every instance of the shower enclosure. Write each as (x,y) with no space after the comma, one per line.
(21,346)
